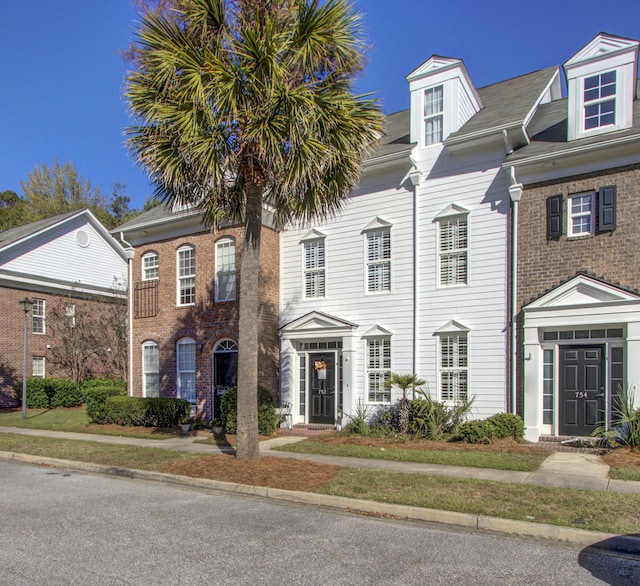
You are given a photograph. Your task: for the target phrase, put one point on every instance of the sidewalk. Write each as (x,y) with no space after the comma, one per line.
(561,469)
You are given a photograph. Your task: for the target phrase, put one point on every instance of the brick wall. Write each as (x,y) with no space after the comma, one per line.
(208,321)
(11,339)
(544,264)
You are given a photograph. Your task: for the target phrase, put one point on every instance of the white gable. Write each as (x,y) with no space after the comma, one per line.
(376,332)
(582,290)
(316,320)
(75,254)
(452,327)
(602,45)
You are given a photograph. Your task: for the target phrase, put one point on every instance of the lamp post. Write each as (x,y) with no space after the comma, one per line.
(26,305)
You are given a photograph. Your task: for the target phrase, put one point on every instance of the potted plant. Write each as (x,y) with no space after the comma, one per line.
(185,424)
(218,426)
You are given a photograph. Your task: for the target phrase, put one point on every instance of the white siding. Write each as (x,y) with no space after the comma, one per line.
(56,255)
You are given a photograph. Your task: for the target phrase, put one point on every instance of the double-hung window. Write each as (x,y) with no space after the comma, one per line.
(581,214)
(70,315)
(150,369)
(150,266)
(38,317)
(186,361)
(454,367)
(314,268)
(378,260)
(600,100)
(453,249)
(226,270)
(186,275)
(37,366)
(433,115)
(378,369)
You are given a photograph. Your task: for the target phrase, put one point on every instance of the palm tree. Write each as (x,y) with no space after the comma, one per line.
(247,104)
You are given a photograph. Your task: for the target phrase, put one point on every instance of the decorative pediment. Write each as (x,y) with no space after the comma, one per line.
(317,321)
(602,45)
(312,234)
(582,290)
(434,63)
(452,209)
(376,224)
(377,332)
(452,327)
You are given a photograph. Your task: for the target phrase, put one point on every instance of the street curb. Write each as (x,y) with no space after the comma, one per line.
(620,543)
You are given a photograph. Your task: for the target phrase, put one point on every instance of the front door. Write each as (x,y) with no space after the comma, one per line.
(582,393)
(322,387)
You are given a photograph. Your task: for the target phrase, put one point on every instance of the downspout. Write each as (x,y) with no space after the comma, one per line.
(515,193)
(129,250)
(415,177)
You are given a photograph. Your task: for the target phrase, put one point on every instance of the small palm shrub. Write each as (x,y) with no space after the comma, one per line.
(359,420)
(625,424)
(435,420)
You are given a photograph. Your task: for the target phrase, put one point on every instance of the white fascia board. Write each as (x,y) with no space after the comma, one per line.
(50,286)
(555,80)
(385,160)
(577,151)
(609,314)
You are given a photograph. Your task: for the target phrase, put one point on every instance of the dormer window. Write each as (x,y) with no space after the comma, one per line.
(433,115)
(600,100)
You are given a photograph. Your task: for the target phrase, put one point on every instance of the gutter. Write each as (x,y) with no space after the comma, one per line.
(130,254)
(515,193)
(415,177)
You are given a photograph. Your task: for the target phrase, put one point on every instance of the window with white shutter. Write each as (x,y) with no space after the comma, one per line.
(378,260)
(378,369)
(314,268)
(454,367)
(453,249)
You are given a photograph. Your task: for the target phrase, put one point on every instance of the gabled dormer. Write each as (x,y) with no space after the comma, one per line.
(443,98)
(601,80)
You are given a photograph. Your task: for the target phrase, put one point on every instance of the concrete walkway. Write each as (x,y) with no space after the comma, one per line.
(561,469)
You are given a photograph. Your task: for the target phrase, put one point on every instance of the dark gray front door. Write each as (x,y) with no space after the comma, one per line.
(322,387)
(582,393)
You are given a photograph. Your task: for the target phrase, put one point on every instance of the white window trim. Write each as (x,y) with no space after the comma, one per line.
(382,369)
(148,255)
(180,279)
(598,101)
(42,360)
(145,370)
(43,317)
(456,368)
(318,270)
(179,390)
(70,315)
(232,271)
(447,218)
(382,261)
(426,117)
(571,215)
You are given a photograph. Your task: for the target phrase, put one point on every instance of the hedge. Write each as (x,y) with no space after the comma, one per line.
(149,412)
(49,393)
(95,398)
(267,419)
(498,426)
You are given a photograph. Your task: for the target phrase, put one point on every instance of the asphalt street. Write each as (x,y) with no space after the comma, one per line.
(61,527)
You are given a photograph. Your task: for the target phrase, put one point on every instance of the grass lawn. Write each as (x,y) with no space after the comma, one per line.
(75,420)
(624,464)
(617,513)
(502,456)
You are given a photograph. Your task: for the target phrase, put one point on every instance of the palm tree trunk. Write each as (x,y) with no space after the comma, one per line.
(247,445)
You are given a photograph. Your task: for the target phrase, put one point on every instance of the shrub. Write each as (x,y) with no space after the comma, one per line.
(163,412)
(507,425)
(436,420)
(267,419)
(625,421)
(479,431)
(49,393)
(125,410)
(359,420)
(104,382)
(386,418)
(95,398)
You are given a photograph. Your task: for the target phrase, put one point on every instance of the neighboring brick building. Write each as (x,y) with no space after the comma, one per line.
(578,275)
(71,268)
(184,305)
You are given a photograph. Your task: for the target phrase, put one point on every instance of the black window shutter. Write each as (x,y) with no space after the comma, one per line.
(607,208)
(554,216)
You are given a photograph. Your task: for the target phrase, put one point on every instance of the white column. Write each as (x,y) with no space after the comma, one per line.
(533,384)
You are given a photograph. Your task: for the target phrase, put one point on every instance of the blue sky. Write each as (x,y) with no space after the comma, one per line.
(61,89)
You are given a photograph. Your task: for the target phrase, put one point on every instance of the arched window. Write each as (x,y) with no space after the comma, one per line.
(150,266)
(186,275)
(186,369)
(150,369)
(226,269)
